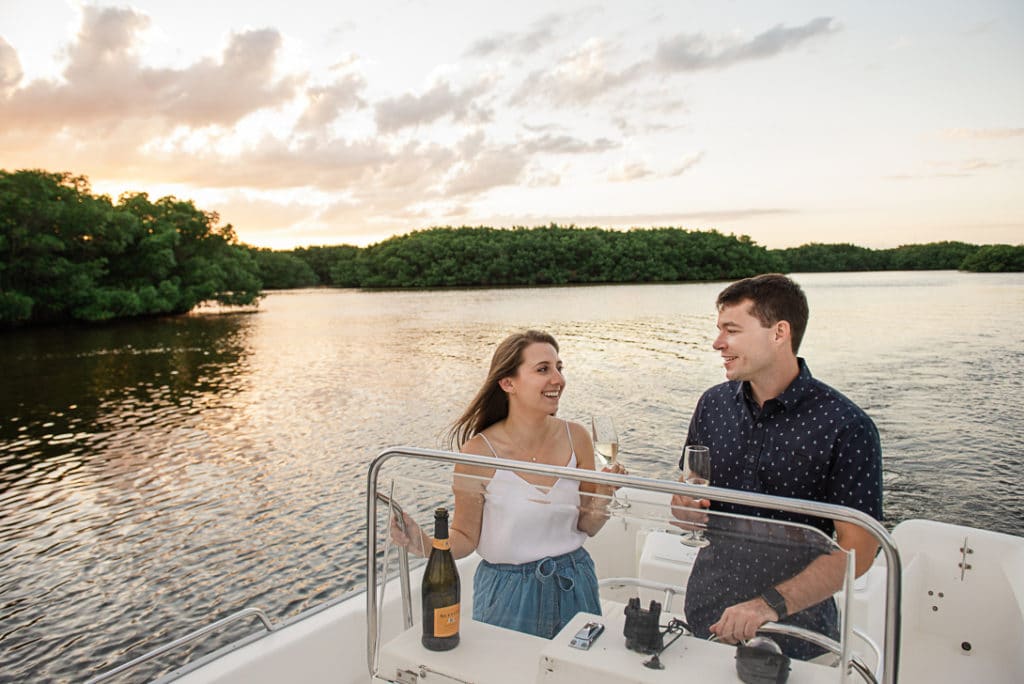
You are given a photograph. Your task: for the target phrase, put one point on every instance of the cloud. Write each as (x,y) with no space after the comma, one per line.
(541,33)
(326,103)
(483,167)
(261,215)
(330,165)
(630,172)
(687,164)
(955,169)
(104,83)
(694,52)
(584,75)
(439,102)
(10,67)
(982,133)
(635,171)
(565,144)
(579,78)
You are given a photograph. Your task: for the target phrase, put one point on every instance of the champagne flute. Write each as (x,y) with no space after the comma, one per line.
(696,471)
(606,448)
(606,439)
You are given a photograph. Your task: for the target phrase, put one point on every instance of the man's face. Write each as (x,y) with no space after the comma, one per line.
(748,349)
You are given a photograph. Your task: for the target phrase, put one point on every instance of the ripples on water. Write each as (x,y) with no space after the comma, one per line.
(157,475)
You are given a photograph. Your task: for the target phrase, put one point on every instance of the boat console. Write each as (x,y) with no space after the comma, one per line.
(493,654)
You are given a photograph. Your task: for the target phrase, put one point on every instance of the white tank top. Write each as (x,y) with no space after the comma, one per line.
(523,522)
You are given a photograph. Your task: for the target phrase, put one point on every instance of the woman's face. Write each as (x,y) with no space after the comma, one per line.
(538,382)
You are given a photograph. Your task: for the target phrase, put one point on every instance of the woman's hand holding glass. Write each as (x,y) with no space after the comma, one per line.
(409,536)
(606,454)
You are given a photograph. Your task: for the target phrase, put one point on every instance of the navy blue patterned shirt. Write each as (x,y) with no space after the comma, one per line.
(810,442)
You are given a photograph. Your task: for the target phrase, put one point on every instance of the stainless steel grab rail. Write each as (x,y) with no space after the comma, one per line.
(831,645)
(841,513)
(191,636)
(403,561)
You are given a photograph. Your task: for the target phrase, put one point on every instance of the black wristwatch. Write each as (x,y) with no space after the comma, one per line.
(775,601)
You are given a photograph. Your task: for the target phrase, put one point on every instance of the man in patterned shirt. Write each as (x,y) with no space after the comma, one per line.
(775,429)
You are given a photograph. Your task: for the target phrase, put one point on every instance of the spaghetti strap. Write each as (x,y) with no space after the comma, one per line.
(488,443)
(568,432)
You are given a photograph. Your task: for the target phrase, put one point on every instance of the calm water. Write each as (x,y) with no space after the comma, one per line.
(155,476)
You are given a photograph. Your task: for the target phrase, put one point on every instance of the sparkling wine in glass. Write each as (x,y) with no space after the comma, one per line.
(696,471)
(606,448)
(606,439)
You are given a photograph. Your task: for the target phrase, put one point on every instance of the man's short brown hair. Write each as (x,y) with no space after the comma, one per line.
(774,297)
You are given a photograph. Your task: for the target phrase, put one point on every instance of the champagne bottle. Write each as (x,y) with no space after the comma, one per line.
(441,591)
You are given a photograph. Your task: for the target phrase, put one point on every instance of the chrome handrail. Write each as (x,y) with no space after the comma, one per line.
(734,496)
(874,648)
(830,645)
(403,561)
(191,636)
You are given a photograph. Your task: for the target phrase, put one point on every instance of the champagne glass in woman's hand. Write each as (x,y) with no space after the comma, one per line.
(606,440)
(696,471)
(606,450)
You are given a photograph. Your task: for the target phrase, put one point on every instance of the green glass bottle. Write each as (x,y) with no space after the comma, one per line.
(441,591)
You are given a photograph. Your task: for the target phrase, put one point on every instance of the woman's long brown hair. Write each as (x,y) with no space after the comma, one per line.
(491,403)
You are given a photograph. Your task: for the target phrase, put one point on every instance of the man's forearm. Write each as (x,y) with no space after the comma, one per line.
(822,578)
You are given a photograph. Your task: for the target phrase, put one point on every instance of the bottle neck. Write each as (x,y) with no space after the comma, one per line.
(441,533)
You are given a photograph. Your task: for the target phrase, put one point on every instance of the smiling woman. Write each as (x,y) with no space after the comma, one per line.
(524,540)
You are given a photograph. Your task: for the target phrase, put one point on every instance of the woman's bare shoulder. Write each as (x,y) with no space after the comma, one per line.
(580,434)
(475,446)
(582,445)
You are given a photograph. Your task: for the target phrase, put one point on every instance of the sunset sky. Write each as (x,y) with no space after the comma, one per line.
(318,123)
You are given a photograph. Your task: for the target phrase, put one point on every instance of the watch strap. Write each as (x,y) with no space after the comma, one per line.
(776,601)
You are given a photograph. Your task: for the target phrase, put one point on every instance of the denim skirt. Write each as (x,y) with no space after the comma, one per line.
(539,597)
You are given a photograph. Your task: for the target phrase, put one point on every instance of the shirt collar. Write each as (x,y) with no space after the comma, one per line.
(790,396)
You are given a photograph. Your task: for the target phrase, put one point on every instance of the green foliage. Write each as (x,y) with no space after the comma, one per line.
(931,256)
(67,255)
(549,255)
(322,259)
(995,259)
(816,257)
(283,270)
(555,255)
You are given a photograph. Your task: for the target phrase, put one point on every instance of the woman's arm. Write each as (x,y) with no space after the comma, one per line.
(468,485)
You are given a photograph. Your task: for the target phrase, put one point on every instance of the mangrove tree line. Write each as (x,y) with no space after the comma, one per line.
(69,255)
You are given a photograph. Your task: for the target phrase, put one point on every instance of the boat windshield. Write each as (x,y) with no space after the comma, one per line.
(543,552)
